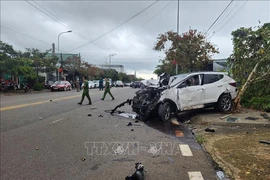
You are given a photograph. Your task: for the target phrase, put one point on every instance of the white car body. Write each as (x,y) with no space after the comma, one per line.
(91,85)
(205,90)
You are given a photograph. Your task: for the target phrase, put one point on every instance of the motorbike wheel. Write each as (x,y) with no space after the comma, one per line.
(165,111)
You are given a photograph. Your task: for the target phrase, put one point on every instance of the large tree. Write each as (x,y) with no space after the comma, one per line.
(251,61)
(14,63)
(190,50)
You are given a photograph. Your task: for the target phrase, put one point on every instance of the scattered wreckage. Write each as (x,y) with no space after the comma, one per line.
(183,92)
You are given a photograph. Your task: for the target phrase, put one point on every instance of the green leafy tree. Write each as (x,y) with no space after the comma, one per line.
(14,62)
(251,61)
(190,50)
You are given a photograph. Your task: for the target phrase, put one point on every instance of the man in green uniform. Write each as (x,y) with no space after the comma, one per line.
(85,91)
(107,89)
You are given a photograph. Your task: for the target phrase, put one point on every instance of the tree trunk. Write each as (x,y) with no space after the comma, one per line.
(244,87)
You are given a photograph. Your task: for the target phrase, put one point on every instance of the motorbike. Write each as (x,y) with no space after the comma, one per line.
(26,88)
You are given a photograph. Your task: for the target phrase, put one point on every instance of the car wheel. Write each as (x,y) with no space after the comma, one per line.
(51,90)
(165,111)
(225,103)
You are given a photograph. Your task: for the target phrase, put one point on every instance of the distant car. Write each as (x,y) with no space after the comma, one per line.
(126,84)
(91,84)
(136,84)
(119,84)
(61,86)
(96,83)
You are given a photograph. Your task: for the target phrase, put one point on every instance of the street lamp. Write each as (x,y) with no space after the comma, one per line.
(110,56)
(58,51)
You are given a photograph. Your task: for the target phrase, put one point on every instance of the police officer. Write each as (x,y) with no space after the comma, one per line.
(107,89)
(85,91)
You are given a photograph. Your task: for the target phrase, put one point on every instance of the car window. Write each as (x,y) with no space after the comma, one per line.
(211,78)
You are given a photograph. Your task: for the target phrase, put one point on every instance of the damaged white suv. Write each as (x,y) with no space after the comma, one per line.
(197,90)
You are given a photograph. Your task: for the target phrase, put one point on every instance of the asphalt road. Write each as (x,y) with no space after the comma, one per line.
(49,136)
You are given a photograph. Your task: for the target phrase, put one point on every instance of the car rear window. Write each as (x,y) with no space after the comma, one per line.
(211,78)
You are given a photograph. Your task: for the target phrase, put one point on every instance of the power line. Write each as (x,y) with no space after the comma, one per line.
(25,35)
(233,16)
(234,5)
(137,28)
(219,16)
(49,14)
(97,38)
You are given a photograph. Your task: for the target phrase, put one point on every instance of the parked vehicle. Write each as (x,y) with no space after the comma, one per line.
(119,83)
(91,85)
(136,84)
(96,83)
(186,92)
(61,86)
(126,84)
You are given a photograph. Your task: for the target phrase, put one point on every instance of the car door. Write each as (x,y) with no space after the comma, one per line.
(191,93)
(213,87)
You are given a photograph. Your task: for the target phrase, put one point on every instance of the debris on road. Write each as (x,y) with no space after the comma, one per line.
(175,122)
(231,119)
(50,100)
(120,105)
(93,108)
(129,124)
(132,130)
(37,148)
(223,117)
(138,174)
(100,115)
(128,115)
(83,158)
(266,116)
(264,141)
(209,130)
(179,133)
(251,118)
(136,121)
(89,115)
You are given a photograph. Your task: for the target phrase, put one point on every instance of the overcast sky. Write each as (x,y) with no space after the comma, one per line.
(107,24)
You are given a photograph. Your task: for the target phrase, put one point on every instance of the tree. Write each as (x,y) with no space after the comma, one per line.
(40,61)
(14,62)
(87,69)
(251,61)
(191,51)
(72,64)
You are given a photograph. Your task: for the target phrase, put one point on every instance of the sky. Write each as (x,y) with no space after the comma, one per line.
(126,29)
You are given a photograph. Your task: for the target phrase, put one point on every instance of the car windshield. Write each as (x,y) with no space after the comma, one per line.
(58,82)
(176,79)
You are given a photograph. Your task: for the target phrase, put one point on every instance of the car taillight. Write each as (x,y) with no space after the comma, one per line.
(233,84)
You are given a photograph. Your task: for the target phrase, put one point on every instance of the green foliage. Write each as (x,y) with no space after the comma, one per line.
(251,47)
(191,51)
(38,87)
(261,103)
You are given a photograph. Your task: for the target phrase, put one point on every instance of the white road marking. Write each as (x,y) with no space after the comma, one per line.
(185,150)
(196,175)
(57,121)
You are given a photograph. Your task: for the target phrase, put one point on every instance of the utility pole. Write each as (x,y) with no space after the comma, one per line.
(176,65)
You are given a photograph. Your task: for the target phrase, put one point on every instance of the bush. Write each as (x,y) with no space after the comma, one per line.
(261,103)
(38,87)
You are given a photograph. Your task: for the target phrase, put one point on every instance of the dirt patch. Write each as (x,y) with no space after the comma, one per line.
(235,147)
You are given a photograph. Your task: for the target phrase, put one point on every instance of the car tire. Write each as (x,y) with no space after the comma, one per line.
(224,103)
(165,111)
(51,90)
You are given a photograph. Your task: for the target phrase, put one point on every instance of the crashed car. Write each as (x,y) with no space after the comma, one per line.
(185,92)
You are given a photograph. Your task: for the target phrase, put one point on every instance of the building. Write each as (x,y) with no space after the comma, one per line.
(220,65)
(118,68)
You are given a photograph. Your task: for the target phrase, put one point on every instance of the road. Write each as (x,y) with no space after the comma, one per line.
(49,136)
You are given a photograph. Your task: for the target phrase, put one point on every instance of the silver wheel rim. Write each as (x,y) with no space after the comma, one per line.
(167,113)
(226,104)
